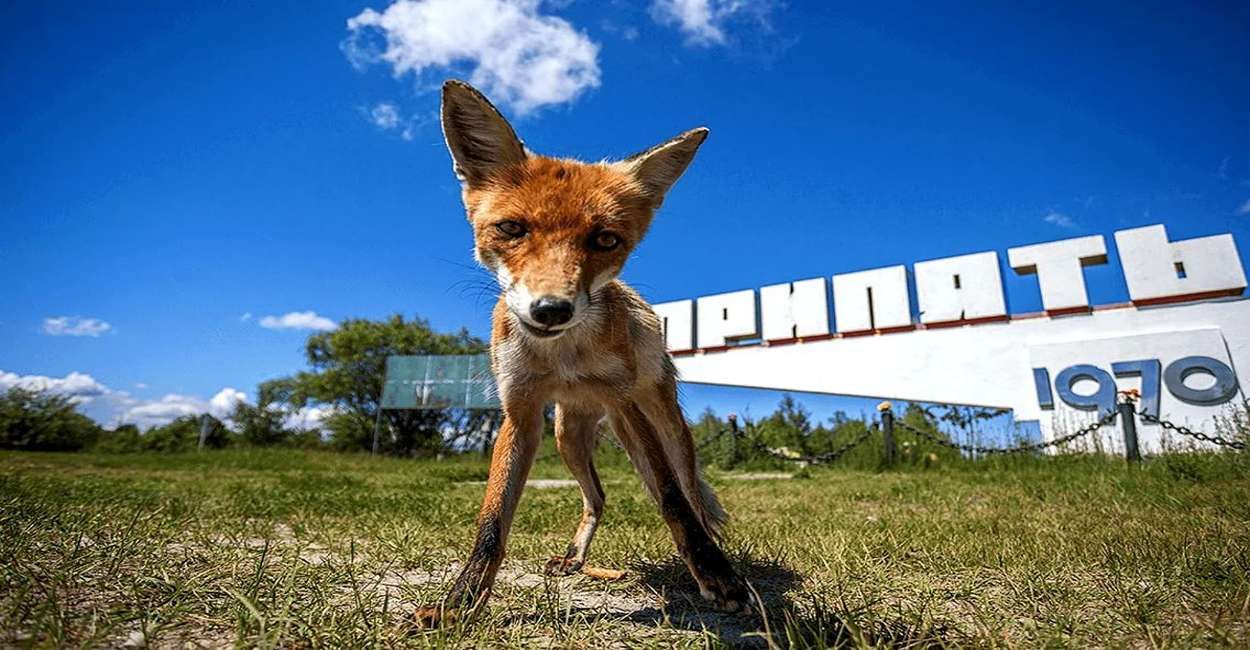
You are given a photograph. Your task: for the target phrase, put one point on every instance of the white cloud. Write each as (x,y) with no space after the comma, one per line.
(74,326)
(309,417)
(384,116)
(517,55)
(76,385)
(222,404)
(627,32)
(1059,219)
(1245,208)
(162,411)
(112,407)
(247,316)
(298,320)
(96,400)
(703,21)
(153,413)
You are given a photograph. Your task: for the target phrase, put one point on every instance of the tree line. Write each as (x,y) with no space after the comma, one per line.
(344,379)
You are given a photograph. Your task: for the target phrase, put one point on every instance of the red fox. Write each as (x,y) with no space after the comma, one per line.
(556,233)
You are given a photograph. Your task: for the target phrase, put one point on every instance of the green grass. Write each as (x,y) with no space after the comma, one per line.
(312,549)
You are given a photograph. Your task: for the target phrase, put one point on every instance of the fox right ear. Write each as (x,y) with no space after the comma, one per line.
(657,168)
(479,138)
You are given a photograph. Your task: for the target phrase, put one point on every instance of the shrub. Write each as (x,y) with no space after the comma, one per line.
(36,420)
(125,439)
(183,434)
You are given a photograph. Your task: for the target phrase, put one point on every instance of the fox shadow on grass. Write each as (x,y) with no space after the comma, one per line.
(811,623)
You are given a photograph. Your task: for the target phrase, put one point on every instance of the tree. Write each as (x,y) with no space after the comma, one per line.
(43,421)
(712,440)
(918,417)
(183,434)
(261,425)
(347,367)
(788,426)
(124,439)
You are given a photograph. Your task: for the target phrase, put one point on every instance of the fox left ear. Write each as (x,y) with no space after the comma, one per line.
(480,140)
(660,166)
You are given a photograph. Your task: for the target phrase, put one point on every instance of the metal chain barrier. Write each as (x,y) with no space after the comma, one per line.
(1038,446)
(812,459)
(707,442)
(602,436)
(611,439)
(1124,409)
(1214,439)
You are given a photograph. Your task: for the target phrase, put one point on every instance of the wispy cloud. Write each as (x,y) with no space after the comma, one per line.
(703,21)
(384,115)
(1059,219)
(1245,208)
(75,326)
(387,117)
(298,320)
(521,57)
(247,316)
(1222,172)
(151,413)
(627,32)
(163,411)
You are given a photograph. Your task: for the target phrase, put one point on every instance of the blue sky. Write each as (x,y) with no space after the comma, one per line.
(173,173)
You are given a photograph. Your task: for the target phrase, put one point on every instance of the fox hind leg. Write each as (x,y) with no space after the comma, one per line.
(575,439)
(717,579)
(662,410)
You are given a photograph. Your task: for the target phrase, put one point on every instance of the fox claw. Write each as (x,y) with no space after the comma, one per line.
(562,566)
(728,599)
(428,618)
(732,606)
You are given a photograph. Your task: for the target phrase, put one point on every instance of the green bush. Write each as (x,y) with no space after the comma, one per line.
(35,420)
(183,434)
(125,439)
(261,425)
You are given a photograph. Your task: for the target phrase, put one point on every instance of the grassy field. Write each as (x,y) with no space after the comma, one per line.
(310,549)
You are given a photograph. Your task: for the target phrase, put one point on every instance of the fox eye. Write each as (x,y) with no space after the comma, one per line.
(512,229)
(605,241)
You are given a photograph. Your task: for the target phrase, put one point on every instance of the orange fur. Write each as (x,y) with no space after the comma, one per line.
(560,231)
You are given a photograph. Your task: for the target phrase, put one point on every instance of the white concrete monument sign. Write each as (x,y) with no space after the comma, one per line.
(1180,341)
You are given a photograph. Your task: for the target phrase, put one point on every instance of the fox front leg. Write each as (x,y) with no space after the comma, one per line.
(510,466)
(576,429)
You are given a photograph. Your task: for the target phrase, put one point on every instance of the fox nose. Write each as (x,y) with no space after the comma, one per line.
(551,311)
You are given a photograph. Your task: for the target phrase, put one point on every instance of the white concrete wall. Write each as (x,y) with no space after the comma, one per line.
(991,364)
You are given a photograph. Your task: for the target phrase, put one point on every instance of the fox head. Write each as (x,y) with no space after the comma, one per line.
(553,231)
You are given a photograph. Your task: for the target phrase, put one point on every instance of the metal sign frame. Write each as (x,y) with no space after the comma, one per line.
(437,382)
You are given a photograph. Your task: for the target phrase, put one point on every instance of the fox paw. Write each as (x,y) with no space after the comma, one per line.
(428,618)
(727,596)
(563,566)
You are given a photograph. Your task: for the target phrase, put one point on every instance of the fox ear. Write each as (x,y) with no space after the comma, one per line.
(479,138)
(660,166)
